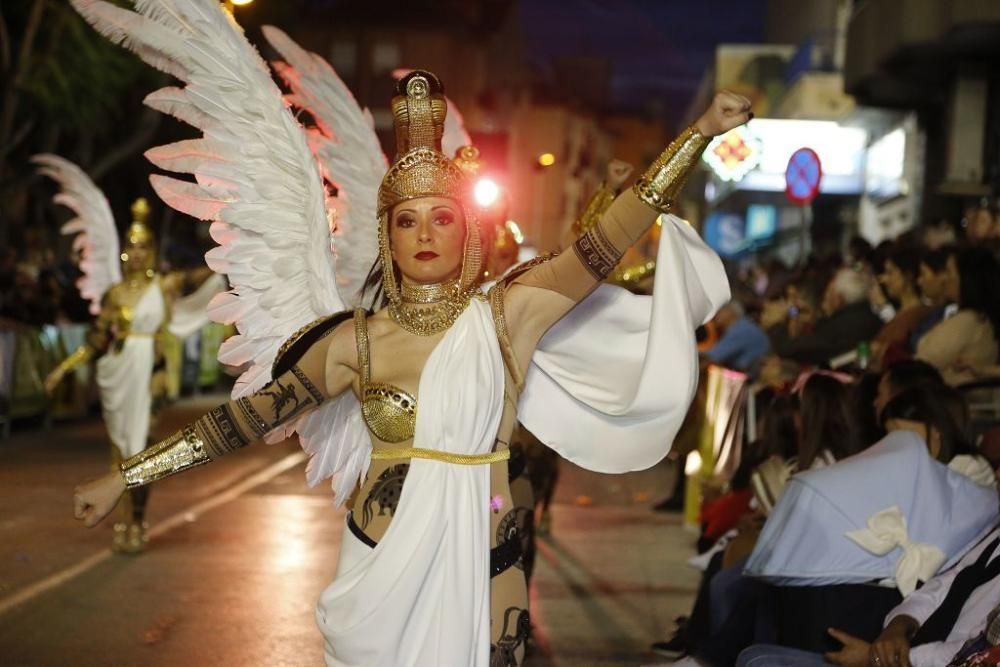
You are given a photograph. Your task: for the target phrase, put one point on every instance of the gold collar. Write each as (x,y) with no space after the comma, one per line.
(427,310)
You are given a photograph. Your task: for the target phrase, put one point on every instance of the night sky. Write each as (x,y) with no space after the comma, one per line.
(658,48)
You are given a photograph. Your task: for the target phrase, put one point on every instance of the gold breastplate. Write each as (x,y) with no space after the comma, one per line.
(389,412)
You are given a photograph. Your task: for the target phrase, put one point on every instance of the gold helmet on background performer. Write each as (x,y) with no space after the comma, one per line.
(139,252)
(422,170)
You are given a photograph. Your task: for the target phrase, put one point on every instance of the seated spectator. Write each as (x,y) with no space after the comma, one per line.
(822,430)
(942,623)
(741,344)
(969,337)
(982,223)
(938,234)
(847,320)
(901,376)
(838,530)
(940,417)
(899,280)
(933,279)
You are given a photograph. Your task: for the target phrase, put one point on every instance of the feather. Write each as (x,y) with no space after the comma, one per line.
(97,235)
(258,182)
(348,152)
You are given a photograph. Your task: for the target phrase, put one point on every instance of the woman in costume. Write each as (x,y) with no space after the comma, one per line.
(132,303)
(425,574)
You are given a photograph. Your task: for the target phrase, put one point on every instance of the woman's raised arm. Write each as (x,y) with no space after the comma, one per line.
(540,297)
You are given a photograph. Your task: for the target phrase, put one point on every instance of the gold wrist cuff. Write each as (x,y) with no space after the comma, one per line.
(183,450)
(662,182)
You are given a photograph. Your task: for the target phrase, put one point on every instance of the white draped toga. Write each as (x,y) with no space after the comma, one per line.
(123,376)
(608,388)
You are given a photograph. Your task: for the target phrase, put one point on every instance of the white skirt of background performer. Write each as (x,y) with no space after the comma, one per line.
(124,376)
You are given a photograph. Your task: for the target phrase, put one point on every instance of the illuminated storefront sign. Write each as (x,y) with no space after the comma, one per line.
(840,149)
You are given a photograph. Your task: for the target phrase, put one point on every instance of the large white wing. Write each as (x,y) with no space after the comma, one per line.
(94,225)
(256,179)
(259,184)
(349,154)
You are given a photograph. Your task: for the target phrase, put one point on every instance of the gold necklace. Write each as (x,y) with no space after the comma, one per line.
(135,279)
(427,310)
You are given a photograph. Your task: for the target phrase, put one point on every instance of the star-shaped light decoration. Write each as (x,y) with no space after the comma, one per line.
(734,154)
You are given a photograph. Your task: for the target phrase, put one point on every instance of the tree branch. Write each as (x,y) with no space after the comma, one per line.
(9,106)
(148,123)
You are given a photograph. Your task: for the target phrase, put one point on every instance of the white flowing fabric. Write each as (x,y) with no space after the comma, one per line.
(123,377)
(421,596)
(610,383)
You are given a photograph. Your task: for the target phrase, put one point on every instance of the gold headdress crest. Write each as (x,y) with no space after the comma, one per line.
(422,170)
(138,231)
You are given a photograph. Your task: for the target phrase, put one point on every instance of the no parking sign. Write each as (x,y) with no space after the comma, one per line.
(802,176)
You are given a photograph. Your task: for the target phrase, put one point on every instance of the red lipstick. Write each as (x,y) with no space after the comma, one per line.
(425,255)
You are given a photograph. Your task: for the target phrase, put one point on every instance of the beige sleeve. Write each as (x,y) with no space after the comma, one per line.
(589,260)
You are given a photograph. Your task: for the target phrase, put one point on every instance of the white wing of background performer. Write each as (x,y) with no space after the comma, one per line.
(349,155)
(259,185)
(97,236)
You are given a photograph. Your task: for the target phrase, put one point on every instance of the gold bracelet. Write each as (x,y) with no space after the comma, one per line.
(183,450)
(663,181)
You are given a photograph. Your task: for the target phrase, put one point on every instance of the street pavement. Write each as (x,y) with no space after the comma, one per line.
(241,549)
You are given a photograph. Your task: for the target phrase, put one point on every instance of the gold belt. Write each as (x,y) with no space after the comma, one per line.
(381,453)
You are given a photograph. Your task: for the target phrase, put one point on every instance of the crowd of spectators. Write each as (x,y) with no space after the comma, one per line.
(860,527)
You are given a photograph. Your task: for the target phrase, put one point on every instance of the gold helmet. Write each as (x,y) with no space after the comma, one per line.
(422,170)
(140,233)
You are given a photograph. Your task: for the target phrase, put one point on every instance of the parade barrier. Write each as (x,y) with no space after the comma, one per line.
(719,418)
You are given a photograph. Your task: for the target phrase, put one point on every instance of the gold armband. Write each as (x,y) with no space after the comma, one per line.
(180,451)
(80,356)
(662,182)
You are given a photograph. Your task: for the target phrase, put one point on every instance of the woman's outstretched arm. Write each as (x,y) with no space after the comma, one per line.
(324,371)
(539,298)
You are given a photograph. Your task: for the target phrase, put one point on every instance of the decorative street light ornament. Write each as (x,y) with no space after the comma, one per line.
(734,154)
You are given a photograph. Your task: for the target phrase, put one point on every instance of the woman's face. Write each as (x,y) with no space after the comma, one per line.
(893,280)
(932,284)
(427,239)
(933,442)
(140,256)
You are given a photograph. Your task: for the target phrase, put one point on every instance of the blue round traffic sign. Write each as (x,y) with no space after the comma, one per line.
(802,176)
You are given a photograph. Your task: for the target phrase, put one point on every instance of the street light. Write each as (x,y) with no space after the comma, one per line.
(230,5)
(486,192)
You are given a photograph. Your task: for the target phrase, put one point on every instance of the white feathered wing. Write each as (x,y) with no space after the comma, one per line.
(94,226)
(258,183)
(349,155)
